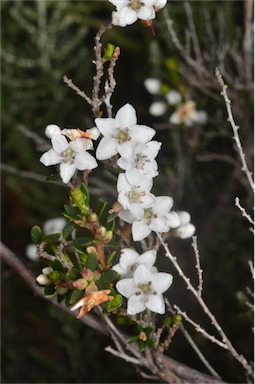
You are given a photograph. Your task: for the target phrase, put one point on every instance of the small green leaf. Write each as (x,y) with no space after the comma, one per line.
(60,298)
(83,258)
(75,296)
(108,52)
(85,192)
(74,274)
(81,243)
(150,342)
(110,258)
(109,275)
(141,345)
(68,229)
(36,234)
(132,339)
(53,238)
(102,209)
(72,212)
(124,320)
(57,265)
(168,321)
(49,290)
(56,276)
(112,217)
(92,262)
(53,178)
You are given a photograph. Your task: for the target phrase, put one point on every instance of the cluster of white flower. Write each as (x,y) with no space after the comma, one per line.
(71,155)
(141,283)
(185,113)
(129,11)
(143,210)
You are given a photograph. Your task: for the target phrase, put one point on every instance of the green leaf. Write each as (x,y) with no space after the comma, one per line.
(168,321)
(132,339)
(109,275)
(141,345)
(75,296)
(114,303)
(110,258)
(49,290)
(85,192)
(53,178)
(72,212)
(68,229)
(92,262)
(124,320)
(112,217)
(102,209)
(56,276)
(74,274)
(150,342)
(53,238)
(57,265)
(60,298)
(36,234)
(81,243)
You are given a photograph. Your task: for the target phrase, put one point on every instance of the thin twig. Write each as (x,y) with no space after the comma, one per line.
(244,213)
(225,341)
(75,88)
(198,266)
(235,128)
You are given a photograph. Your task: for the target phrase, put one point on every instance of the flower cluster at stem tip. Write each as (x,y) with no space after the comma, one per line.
(139,280)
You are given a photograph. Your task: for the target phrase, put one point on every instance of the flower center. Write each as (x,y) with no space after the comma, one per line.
(135,5)
(148,214)
(134,196)
(145,288)
(140,161)
(122,135)
(68,155)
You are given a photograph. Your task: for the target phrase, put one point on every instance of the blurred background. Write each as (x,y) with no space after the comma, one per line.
(199,167)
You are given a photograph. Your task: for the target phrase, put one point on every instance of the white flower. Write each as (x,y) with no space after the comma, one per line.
(70,156)
(129,11)
(145,290)
(153,85)
(153,218)
(134,192)
(186,229)
(54,225)
(143,160)
(187,114)
(158,108)
(43,278)
(173,97)
(121,134)
(130,260)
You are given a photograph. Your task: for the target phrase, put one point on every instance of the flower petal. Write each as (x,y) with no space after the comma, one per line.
(107,126)
(127,216)
(52,129)
(163,204)
(156,303)
(106,148)
(141,133)
(128,257)
(50,158)
(126,287)
(185,231)
(148,258)
(173,219)
(135,304)
(142,275)
(67,171)
(85,161)
(126,150)
(140,230)
(146,13)
(153,85)
(59,143)
(159,224)
(161,281)
(126,116)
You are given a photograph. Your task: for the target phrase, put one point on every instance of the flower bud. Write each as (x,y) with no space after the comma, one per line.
(101,232)
(87,274)
(107,237)
(43,280)
(47,270)
(61,290)
(78,199)
(80,284)
(52,129)
(91,249)
(91,288)
(92,218)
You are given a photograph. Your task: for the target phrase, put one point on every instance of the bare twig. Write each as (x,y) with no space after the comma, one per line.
(198,266)
(225,341)
(76,89)
(244,213)
(235,128)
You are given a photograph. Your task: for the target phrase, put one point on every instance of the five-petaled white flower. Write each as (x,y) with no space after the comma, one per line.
(134,191)
(130,260)
(129,11)
(154,218)
(145,290)
(143,161)
(121,134)
(70,155)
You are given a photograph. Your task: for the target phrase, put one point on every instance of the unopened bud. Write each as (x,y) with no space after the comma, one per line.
(101,232)
(43,280)
(91,249)
(92,218)
(61,290)
(87,274)
(80,284)
(47,270)
(107,237)
(177,319)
